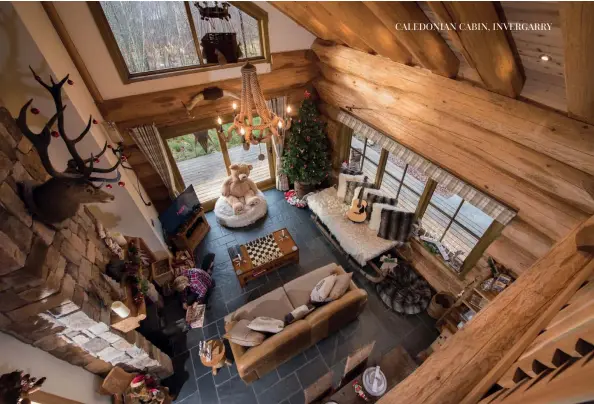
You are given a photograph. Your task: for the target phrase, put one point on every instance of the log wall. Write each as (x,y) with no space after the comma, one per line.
(536,161)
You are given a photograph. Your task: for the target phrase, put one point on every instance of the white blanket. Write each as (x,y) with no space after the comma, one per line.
(357,239)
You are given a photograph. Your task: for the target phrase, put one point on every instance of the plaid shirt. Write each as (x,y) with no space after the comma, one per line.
(200,281)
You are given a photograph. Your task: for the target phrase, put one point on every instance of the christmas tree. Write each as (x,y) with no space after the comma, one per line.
(306,156)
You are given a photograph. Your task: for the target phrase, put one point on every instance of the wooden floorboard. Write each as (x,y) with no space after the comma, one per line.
(207,173)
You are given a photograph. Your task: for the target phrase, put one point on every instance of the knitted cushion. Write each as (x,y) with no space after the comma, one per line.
(396,225)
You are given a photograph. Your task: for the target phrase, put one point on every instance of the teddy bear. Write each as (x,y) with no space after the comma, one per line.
(238,189)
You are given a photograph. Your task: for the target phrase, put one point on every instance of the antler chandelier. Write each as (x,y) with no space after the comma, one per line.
(252,100)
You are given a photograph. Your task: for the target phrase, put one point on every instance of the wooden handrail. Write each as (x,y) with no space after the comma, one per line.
(514,353)
(451,373)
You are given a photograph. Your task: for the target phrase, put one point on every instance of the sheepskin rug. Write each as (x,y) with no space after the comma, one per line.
(225,216)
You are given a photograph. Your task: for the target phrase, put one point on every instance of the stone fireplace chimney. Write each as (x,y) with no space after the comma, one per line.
(46,293)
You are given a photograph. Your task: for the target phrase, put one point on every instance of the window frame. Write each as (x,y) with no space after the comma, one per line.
(475,254)
(248,7)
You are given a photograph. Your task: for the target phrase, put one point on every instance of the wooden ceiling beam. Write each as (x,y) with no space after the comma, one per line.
(577,21)
(487,50)
(427,47)
(166,106)
(297,13)
(369,28)
(340,29)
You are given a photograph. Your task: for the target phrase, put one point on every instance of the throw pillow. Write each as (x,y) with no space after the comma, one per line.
(396,225)
(351,187)
(299,313)
(320,292)
(266,324)
(378,197)
(240,334)
(376,215)
(342,183)
(340,287)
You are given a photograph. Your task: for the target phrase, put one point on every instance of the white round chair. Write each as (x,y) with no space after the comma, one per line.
(226,217)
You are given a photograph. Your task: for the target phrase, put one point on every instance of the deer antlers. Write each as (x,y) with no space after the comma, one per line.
(78,169)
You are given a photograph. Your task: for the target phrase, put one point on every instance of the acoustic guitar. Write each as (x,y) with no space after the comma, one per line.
(358,211)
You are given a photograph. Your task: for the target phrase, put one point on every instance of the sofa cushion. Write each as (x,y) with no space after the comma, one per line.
(299,290)
(273,304)
(242,335)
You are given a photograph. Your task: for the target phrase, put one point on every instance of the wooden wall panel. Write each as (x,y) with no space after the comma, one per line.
(369,28)
(483,47)
(545,80)
(468,131)
(165,107)
(578,31)
(466,70)
(427,47)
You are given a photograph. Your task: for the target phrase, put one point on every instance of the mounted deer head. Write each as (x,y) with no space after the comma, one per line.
(59,198)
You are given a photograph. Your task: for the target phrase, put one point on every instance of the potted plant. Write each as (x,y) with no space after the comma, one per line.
(306,161)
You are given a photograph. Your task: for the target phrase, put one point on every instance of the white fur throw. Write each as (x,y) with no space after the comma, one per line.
(225,215)
(376,215)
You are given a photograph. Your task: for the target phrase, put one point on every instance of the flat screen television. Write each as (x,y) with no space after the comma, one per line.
(180,210)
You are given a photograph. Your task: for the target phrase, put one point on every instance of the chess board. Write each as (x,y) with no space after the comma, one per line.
(263,250)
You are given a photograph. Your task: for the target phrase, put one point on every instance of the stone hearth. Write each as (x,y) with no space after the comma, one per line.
(46,277)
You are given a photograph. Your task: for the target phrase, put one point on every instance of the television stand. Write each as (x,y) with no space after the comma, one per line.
(192,232)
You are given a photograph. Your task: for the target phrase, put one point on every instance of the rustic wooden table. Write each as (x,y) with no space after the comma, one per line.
(246,271)
(218,359)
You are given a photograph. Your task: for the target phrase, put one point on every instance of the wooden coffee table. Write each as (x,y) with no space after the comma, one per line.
(246,270)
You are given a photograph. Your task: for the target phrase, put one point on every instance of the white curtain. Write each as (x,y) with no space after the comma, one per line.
(149,141)
(487,204)
(279,106)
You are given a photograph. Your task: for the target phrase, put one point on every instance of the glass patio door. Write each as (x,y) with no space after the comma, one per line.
(203,161)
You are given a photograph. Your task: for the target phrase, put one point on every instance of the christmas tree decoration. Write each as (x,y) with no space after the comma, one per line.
(55,133)
(306,160)
(34,111)
(70,82)
(95,122)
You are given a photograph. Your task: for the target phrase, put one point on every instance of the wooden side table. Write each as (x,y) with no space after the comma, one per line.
(218,359)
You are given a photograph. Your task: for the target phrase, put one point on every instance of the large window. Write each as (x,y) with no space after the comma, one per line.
(457,224)
(364,156)
(156,37)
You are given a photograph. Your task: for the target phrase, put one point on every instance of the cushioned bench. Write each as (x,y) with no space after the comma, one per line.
(356,239)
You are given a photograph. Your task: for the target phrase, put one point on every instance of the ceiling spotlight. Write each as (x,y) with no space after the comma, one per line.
(545,58)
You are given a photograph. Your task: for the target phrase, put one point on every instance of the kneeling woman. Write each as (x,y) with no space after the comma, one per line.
(194,284)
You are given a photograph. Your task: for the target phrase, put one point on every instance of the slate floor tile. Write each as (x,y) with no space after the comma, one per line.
(265,382)
(199,369)
(222,375)
(311,352)
(312,371)
(235,391)
(297,398)
(280,391)
(291,365)
(192,399)
(207,390)
(210,331)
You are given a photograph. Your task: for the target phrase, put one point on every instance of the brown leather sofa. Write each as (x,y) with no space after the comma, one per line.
(253,363)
